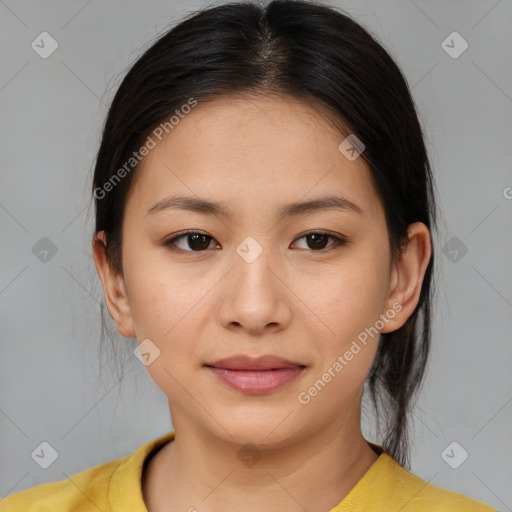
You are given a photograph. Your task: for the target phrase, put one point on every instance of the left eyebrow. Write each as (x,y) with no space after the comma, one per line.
(211,208)
(322,203)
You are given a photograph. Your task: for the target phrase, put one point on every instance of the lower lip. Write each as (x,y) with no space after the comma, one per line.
(257,382)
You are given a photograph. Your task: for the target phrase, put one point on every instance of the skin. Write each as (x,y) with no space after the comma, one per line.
(295,301)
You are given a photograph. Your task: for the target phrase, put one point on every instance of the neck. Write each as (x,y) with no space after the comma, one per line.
(199,470)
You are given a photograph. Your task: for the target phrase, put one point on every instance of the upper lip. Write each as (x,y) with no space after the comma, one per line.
(244,362)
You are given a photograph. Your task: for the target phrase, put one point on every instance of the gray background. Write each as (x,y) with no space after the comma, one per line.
(52,112)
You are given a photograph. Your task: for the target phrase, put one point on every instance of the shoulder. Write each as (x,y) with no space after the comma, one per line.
(409,492)
(109,487)
(389,487)
(84,491)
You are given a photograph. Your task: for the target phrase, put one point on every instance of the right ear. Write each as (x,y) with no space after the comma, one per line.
(113,288)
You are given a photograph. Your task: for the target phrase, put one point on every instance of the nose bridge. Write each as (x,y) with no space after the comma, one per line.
(254,262)
(256,295)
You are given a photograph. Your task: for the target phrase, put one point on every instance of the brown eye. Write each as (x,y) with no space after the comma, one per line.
(196,241)
(317,241)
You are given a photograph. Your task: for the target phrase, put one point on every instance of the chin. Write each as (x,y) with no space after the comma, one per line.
(260,429)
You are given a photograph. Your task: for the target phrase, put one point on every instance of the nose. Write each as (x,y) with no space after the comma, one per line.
(254,296)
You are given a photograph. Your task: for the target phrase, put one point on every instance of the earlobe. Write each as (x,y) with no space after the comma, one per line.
(113,287)
(408,275)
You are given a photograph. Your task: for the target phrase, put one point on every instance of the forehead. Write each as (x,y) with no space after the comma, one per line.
(253,152)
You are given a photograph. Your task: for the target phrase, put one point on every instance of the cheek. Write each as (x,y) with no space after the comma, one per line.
(346,341)
(165,312)
(347,303)
(348,297)
(160,293)
(164,305)
(161,309)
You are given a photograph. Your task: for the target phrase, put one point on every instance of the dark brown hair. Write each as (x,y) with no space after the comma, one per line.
(320,55)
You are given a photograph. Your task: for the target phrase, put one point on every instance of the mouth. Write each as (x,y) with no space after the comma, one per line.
(255,376)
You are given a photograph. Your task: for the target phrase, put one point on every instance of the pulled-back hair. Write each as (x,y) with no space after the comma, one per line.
(317,54)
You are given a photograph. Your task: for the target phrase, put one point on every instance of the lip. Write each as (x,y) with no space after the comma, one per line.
(243,362)
(256,375)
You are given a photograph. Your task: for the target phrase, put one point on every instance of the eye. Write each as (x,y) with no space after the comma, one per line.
(318,239)
(195,240)
(199,242)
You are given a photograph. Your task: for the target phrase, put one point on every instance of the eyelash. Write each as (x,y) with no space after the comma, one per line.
(338,241)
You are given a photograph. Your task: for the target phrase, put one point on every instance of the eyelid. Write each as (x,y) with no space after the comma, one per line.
(339,240)
(168,242)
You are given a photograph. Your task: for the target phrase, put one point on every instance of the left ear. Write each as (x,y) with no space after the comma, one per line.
(407,277)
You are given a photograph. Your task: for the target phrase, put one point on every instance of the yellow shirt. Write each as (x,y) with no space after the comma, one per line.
(115,486)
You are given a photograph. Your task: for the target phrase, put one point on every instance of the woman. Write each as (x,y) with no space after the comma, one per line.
(264,204)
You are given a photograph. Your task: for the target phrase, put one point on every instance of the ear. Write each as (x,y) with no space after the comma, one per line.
(407,276)
(113,287)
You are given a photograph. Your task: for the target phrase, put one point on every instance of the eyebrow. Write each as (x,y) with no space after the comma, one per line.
(198,205)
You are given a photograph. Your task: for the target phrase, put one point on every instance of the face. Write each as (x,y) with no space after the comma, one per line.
(305,286)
